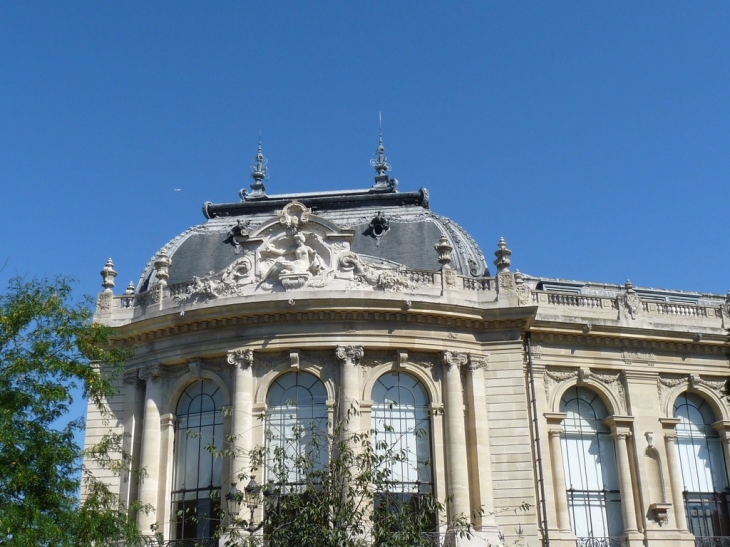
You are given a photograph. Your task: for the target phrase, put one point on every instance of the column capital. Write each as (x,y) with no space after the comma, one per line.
(555,422)
(668,426)
(152,372)
(620,425)
(722,427)
(454,359)
(477,362)
(350,354)
(242,357)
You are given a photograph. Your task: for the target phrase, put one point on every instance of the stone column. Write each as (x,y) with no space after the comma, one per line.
(151,440)
(480,465)
(555,431)
(349,357)
(242,412)
(457,477)
(723,428)
(675,473)
(620,430)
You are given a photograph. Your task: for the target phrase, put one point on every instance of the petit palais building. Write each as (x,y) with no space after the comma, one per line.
(571,413)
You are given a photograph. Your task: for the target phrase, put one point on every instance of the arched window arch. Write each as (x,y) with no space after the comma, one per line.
(296,428)
(197,471)
(704,475)
(589,461)
(401,424)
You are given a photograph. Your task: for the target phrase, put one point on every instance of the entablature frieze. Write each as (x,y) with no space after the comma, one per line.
(634,348)
(136,334)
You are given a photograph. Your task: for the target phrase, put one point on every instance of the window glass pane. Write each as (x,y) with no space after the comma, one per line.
(401,421)
(297,426)
(197,472)
(589,463)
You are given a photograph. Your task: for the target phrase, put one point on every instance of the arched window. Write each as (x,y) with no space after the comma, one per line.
(296,429)
(704,475)
(589,462)
(401,422)
(197,472)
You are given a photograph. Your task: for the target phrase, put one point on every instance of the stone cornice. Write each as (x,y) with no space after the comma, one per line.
(175,324)
(646,340)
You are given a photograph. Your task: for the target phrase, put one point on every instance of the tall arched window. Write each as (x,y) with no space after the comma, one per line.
(296,428)
(401,422)
(197,472)
(589,462)
(704,475)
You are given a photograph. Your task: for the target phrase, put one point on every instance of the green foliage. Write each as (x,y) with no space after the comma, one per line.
(348,499)
(48,348)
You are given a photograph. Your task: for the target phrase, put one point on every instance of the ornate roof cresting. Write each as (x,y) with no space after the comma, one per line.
(259,173)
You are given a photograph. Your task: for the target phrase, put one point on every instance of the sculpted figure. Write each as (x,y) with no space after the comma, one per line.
(299,259)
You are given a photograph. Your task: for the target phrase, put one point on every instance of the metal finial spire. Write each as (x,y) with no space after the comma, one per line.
(380,163)
(259,173)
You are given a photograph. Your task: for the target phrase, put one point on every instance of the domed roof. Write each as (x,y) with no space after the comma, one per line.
(379,223)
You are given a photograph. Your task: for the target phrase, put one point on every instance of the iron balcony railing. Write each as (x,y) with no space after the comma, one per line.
(600,542)
(712,541)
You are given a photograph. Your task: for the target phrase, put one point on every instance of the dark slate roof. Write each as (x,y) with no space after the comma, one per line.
(409,240)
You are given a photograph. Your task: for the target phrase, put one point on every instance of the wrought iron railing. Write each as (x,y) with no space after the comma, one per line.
(201,542)
(600,542)
(712,541)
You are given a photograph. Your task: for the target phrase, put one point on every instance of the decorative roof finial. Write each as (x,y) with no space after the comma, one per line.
(380,163)
(502,253)
(259,173)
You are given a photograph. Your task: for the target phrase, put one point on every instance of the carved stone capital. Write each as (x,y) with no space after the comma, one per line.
(477,362)
(350,354)
(242,358)
(454,359)
(152,372)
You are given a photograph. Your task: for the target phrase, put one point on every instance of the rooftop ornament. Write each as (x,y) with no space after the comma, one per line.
(259,173)
(108,274)
(502,253)
(381,165)
(444,251)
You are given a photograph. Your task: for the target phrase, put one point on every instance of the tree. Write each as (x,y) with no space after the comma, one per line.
(48,347)
(329,487)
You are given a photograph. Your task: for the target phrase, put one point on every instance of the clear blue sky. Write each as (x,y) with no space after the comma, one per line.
(593,136)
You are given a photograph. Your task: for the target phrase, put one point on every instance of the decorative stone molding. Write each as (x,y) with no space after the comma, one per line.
(524,293)
(294,358)
(611,382)
(104,301)
(505,281)
(152,372)
(194,366)
(402,357)
(631,300)
(552,377)
(294,215)
(660,513)
(477,362)
(350,354)
(631,356)
(240,357)
(454,359)
(665,384)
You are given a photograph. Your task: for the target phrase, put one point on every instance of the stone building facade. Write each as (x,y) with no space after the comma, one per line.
(598,405)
